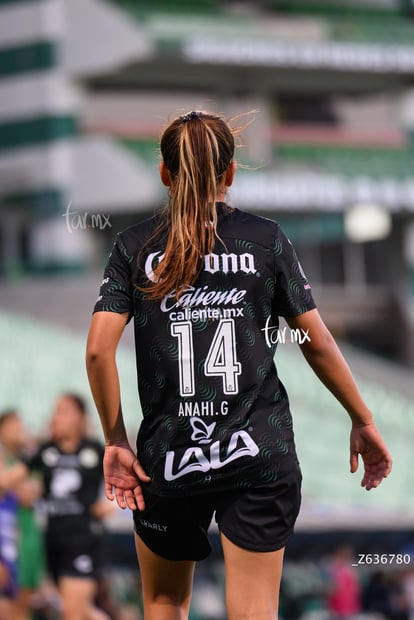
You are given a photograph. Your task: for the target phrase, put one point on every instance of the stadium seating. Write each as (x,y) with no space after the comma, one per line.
(43,361)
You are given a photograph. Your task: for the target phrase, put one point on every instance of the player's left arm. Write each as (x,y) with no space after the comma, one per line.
(326,360)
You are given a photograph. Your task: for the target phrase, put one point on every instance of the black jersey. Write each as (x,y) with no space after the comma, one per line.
(215,414)
(72,483)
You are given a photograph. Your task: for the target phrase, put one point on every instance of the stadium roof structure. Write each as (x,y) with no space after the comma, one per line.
(40,360)
(49,60)
(357,48)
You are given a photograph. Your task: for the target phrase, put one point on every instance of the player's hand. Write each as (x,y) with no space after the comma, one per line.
(367,442)
(123,477)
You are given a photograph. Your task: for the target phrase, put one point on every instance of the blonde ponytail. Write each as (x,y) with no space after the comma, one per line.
(197,149)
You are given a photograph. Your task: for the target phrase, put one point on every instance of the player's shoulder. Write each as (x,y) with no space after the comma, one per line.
(90,453)
(253,227)
(46,454)
(255,219)
(129,241)
(140,231)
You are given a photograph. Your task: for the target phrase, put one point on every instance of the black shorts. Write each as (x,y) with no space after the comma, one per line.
(79,555)
(257,519)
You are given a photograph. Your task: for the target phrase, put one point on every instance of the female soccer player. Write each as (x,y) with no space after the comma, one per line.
(70,466)
(26,489)
(204,284)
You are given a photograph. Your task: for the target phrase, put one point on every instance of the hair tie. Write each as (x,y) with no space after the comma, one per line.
(190,116)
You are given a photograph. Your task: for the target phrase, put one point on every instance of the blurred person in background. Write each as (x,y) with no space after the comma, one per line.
(376,594)
(205,284)
(30,560)
(70,466)
(383,594)
(344,593)
(8,547)
(407,588)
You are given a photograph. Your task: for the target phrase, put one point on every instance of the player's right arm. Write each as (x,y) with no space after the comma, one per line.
(122,471)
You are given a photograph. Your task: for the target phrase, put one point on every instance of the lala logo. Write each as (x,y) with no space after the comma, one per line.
(195,459)
(201,431)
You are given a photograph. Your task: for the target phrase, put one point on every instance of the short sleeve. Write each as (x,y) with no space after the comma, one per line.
(293,291)
(116,294)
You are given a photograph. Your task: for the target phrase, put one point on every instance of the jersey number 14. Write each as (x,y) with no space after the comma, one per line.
(221,360)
